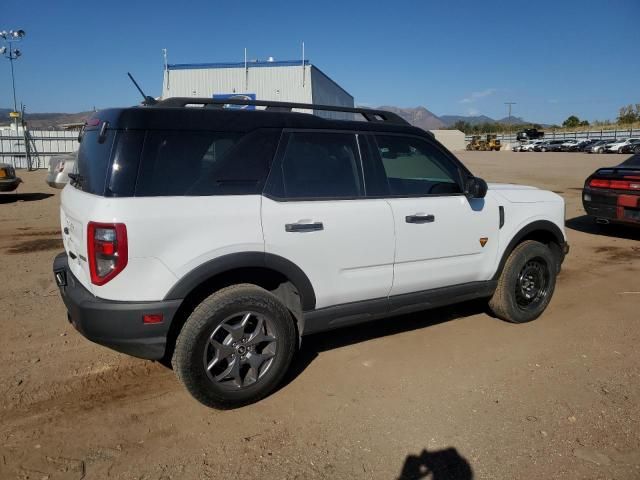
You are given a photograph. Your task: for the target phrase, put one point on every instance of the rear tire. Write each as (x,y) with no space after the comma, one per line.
(526,284)
(235,348)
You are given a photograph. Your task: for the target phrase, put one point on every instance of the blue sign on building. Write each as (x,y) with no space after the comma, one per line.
(238,96)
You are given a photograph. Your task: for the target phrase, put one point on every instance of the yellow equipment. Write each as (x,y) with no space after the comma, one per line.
(492,142)
(475,143)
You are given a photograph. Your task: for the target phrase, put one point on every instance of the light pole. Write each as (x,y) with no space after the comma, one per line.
(509,117)
(12,54)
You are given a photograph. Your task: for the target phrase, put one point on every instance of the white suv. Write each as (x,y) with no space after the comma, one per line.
(216,239)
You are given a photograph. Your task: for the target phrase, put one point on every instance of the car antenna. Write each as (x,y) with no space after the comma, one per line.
(147,99)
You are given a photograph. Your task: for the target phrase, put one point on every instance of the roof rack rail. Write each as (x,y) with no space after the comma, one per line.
(371,115)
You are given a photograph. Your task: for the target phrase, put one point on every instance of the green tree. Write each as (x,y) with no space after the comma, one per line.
(571,122)
(629,114)
(584,123)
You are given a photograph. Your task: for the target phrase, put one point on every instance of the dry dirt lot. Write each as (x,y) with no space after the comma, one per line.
(451,393)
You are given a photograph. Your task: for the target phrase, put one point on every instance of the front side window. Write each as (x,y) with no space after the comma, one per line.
(317,165)
(415,167)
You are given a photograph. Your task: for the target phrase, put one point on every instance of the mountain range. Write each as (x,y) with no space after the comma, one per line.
(423,118)
(45,120)
(417,116)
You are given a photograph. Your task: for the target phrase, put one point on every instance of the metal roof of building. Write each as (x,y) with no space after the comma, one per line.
(249,64)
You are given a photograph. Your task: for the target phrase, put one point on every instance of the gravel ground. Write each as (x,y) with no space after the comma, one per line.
(450,393)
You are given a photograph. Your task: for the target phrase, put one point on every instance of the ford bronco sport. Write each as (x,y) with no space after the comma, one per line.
(216,238)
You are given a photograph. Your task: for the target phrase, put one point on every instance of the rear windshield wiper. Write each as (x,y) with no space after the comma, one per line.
(76,179)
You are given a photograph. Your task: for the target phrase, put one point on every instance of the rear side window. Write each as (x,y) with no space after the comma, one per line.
(205,163)
(317,165)
(93,161)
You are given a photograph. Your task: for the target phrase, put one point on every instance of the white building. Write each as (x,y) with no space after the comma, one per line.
(285,81)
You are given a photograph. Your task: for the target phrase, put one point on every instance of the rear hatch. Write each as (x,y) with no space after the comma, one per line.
(83,196)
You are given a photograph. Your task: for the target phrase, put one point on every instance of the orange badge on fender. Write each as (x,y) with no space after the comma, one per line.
(483,241)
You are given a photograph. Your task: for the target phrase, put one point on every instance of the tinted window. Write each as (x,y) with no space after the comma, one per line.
(205,163)
(415,167)
(93,161)
(124,164)
(318,165)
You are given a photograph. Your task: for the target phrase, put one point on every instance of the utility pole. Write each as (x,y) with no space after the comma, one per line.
(509,104)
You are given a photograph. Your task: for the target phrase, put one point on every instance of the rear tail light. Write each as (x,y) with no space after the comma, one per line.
(107,249)
(615,184)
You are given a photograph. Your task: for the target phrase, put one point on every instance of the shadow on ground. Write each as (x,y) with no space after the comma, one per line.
(445,464)
(23,197)
(587,224)
(313,345)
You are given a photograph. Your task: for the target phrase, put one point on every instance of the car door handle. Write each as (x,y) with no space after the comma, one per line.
(304,227)
(419,218)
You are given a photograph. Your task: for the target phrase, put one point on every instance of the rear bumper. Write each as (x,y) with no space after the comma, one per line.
(615,207)
(10,184)
(117,325)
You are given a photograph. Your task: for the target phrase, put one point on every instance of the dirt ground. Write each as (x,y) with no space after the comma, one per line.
(450,393)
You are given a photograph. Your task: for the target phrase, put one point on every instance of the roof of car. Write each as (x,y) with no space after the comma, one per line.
(240,120)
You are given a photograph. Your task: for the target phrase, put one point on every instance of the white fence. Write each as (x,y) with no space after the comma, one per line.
(604,134)
(44,143)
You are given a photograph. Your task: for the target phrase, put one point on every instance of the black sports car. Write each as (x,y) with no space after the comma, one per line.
(612,194)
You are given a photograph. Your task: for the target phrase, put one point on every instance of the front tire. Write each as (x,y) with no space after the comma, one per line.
(526,284)
(235,348)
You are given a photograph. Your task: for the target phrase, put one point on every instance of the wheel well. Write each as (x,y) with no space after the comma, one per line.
(546,237)
(542,235)
(271,280)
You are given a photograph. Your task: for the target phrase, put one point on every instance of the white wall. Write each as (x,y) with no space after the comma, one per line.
(280,83)
(452,139)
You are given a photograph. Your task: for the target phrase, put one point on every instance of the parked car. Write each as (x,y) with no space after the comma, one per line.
(612,194)
(202,247)
(599,147)
(8,179)
(60,166)
(564,146)
(617,145)
(548,146)
(582,145)
(632,147)
(529,146)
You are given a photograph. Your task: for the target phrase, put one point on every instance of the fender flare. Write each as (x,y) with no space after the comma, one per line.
(536,226)
(233,261)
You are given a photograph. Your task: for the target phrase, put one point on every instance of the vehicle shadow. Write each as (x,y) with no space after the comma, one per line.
(23,197)
(313,345)
(587,224)
(445,464)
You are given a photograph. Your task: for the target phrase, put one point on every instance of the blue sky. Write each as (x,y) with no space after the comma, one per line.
(462,57)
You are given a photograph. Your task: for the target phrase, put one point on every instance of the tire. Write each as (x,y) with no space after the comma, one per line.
(239,374)
(526,283)
(636,150)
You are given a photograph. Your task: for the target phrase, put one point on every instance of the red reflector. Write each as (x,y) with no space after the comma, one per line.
(152,318)
(107,248)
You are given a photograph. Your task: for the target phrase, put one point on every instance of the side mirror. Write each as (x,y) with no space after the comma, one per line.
(476,188)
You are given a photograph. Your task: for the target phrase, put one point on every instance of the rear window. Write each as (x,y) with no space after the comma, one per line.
(93,161)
